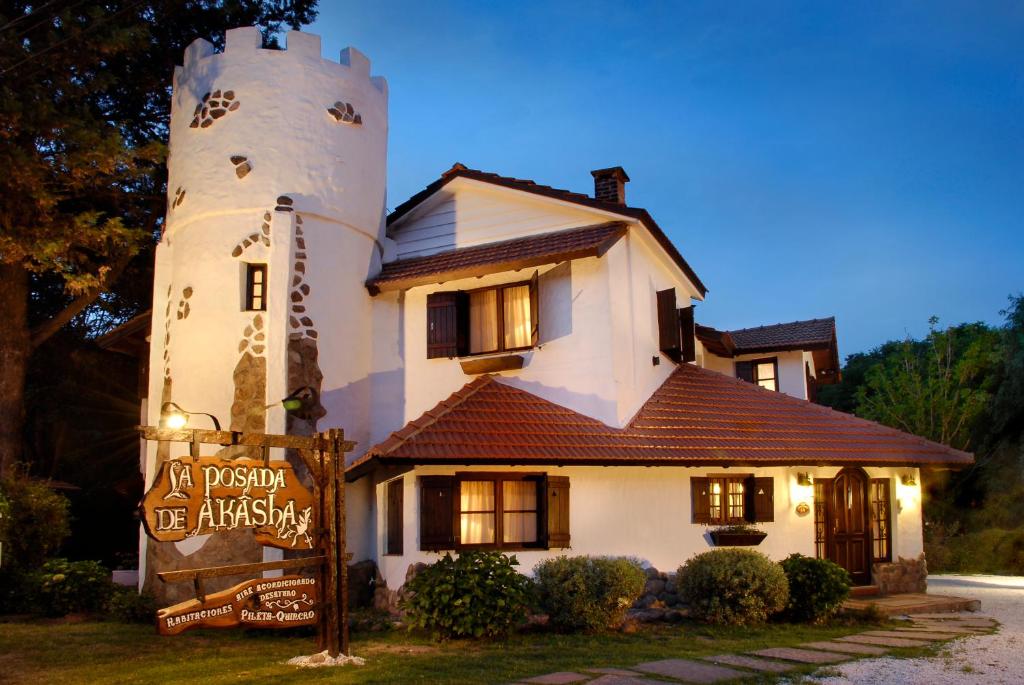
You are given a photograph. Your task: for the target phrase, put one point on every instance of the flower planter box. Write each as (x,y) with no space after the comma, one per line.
(723,538)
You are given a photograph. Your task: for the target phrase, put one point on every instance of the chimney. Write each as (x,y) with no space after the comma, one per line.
(610,184)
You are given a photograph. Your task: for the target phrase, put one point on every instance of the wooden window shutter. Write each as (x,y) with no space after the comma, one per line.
(745,371)
(700,495)
(447,324)
(687,333)
(763,499)
(396,497)
(555,520)
(535,308)
(437,513)
(668,324)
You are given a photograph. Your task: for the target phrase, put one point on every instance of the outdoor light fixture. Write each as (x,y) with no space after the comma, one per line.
(175,417)
(298,398)
(804,479)
(908,479)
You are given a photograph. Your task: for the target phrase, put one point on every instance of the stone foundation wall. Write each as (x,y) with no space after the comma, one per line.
(900,576)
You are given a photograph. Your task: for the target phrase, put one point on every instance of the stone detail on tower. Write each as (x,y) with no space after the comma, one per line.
(179,197)
(253,238)
(344,113)
(183,306)
(213,106)
(242,166)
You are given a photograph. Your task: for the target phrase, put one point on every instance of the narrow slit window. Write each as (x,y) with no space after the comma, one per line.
(256,287)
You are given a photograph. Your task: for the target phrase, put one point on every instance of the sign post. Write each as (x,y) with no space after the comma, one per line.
(197,495)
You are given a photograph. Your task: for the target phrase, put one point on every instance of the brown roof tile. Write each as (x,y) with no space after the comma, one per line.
(802,335)
(479,260)
(641,215)
(696,417)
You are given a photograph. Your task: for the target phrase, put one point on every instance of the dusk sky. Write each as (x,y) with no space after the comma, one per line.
(862,160)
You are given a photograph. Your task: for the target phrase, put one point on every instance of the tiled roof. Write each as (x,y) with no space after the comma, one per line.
(465,262)
(696,417)
(802,335)
(636,213)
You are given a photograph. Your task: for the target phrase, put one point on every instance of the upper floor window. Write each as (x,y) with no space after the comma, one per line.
(256,287)
(763,372)
(496,319)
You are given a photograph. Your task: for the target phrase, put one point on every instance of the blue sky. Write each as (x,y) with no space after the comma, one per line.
(862,160)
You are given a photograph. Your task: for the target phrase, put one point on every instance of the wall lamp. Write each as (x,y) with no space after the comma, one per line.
(804,479)
(299,398)
(908,479)
(176,418)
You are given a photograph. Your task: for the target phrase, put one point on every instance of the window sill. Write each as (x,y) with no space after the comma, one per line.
(501,362)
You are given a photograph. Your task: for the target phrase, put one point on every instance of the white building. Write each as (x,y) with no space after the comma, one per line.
(519,365)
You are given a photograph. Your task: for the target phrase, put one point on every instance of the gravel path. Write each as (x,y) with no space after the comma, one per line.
(983,659)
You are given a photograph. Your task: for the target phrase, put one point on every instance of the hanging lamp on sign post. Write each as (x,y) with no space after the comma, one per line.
(176,418)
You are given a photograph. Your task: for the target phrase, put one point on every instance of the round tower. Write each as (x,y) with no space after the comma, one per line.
(276,201)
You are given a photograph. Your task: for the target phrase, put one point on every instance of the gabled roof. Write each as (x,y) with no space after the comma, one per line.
(507,255)
(795,335)
(527,186)
(812,334)
(697,417)
(128,338)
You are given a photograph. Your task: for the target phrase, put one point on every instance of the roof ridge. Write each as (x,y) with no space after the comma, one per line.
(781,323)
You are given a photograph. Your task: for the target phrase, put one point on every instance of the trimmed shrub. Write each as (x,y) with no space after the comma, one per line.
(733,586)
(129,606)
(479,594)
(34,522)
(588,593)
(64,587)
(817,588)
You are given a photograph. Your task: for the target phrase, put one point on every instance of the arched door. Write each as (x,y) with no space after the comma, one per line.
(850,525)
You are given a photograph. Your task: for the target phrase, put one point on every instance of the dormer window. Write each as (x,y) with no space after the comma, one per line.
(484,321)
(763,372)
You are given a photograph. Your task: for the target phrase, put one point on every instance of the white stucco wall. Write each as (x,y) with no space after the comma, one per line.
(792,377)
(645,512)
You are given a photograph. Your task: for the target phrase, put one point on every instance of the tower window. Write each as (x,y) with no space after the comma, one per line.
(256,287)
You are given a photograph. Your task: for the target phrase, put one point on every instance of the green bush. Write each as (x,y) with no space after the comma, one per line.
(994,550)
(588,593)
(34,523)
(733,586)
(64,587)
(127,605)
(479,594)
(817,588)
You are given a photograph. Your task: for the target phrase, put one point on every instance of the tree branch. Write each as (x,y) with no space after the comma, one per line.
(47,329)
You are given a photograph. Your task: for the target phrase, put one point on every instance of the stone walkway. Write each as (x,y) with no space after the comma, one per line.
(922,630)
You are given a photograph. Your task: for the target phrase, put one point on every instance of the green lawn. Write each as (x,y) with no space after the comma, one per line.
(37,651)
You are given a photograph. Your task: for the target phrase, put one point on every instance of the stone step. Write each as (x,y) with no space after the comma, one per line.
(864,591)
(804,656)
(882,641)
(751,662)
(846,648)
(690,671)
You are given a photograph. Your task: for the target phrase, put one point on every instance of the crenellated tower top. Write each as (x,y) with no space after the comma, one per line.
(251,124)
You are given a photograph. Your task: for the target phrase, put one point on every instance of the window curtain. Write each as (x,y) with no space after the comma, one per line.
(518,328)
(483,321)
(477,528)
(519,503)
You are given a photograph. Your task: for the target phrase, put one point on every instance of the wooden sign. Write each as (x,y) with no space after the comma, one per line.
(199,495)
(262,603)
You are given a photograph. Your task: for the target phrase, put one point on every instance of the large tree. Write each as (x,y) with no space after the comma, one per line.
(84,103)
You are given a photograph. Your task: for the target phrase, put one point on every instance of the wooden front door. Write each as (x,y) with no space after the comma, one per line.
(849,542)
